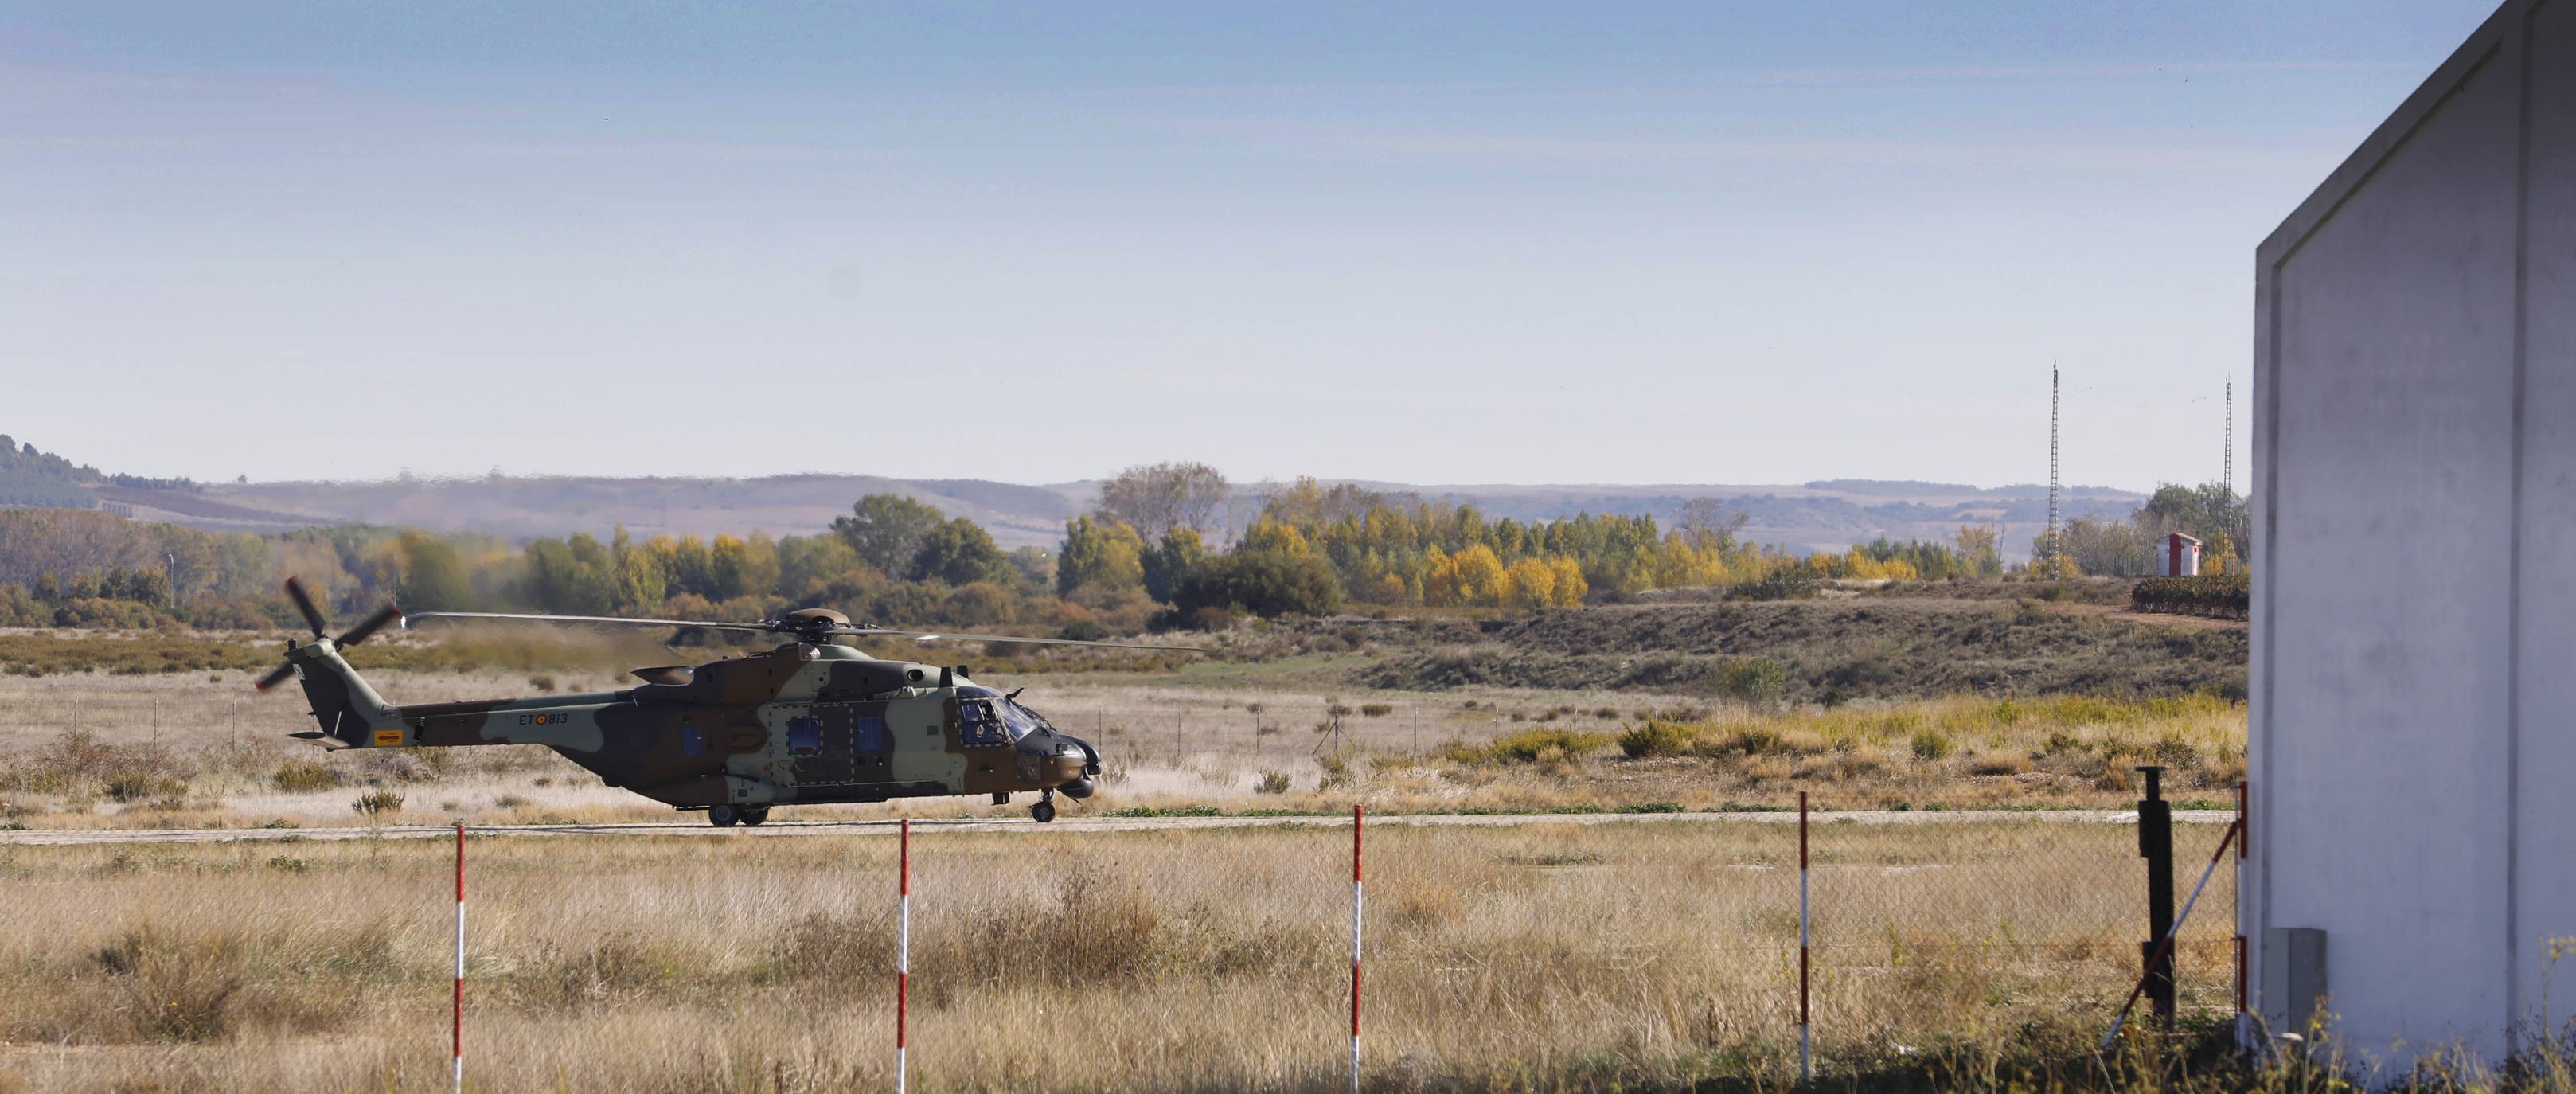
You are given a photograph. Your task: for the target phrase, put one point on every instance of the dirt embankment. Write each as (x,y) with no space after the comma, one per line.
(1828,651)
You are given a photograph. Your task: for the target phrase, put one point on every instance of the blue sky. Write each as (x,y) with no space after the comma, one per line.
(1455,243)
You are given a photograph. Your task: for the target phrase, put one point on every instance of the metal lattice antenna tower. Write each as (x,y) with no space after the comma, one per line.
(2227,464)
(2052,458)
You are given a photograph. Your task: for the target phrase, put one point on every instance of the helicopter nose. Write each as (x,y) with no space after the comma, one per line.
(1085,759)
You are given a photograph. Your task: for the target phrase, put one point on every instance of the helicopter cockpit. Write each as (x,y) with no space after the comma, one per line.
(989,719)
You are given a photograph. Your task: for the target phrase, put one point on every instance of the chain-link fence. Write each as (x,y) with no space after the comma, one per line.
(1912,920)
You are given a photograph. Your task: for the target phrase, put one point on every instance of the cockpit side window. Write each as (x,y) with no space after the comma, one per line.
(978,726)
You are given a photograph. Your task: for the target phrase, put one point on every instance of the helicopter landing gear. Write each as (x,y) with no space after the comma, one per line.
(754,816)
(1044,811)
(724,816)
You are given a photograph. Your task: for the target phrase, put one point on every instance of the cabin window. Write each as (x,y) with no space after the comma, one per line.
(873,737)
(979,727)
(805,737)
(692,742)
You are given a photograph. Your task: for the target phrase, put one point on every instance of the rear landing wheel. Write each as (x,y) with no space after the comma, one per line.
(722,816)
(1042,812)
(755,815)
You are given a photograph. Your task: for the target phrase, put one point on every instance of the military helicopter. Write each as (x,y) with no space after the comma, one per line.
(813,721)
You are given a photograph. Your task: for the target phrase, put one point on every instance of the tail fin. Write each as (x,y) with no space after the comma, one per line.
(348,710)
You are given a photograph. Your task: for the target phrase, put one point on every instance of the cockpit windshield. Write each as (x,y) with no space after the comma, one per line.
(980,707)
(1019,720)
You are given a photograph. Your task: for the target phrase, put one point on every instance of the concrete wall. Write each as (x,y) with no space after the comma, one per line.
(2414,664)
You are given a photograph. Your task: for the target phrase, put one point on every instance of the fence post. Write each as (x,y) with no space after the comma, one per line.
(1806,1062)
(902,952)
(2244,836)
(2155,843)
(1355,947)
(2164,949)
(456,1018)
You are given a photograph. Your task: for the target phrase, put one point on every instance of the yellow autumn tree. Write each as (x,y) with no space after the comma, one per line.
(1529,585)
(2058,565)
(1439,578)
(1570,585)
(1480,576)
(1268,535)
(1390,589)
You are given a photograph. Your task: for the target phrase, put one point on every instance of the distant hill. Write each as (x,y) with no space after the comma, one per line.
(30,477)
(1823,515)
(1811,517)
(34,479)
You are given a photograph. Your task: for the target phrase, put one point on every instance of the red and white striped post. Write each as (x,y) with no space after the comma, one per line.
(456,1023)
(1355,947)
(902,954)
(1806,1063)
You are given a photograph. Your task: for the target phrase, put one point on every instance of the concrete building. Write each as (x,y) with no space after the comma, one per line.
(2182,555)
(2413,759)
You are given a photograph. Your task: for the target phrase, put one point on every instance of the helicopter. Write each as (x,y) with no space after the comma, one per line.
(812,721)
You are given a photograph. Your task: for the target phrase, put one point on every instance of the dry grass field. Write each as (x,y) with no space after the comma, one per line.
(1636,954)
(1632,953)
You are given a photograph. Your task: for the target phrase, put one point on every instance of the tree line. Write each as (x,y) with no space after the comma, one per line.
(1155,551)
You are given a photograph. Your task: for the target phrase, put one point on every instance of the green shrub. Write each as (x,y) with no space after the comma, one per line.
(304,777)
(1932,744)
(377,803)
(136,786)
(1528,746)
(1782,583)
(1263,583)
(1657,737)
(1756,740)
(2229,595)
(1753,679)
(1272,782)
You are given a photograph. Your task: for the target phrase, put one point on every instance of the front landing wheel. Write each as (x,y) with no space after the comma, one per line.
(1042,812)
(722,816)
(755,815)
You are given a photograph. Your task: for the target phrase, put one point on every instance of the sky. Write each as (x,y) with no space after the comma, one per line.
(1490,242)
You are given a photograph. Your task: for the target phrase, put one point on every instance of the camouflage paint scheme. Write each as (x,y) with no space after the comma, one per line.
(803,723)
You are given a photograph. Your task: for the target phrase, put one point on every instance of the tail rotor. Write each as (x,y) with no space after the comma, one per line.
(313,618)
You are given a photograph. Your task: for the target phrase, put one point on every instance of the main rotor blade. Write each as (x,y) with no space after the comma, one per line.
(419,616)
(374,622)
(304,604)
(930,636)
(276,676)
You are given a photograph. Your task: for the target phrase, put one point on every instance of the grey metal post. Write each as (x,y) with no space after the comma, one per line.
(2155,843)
